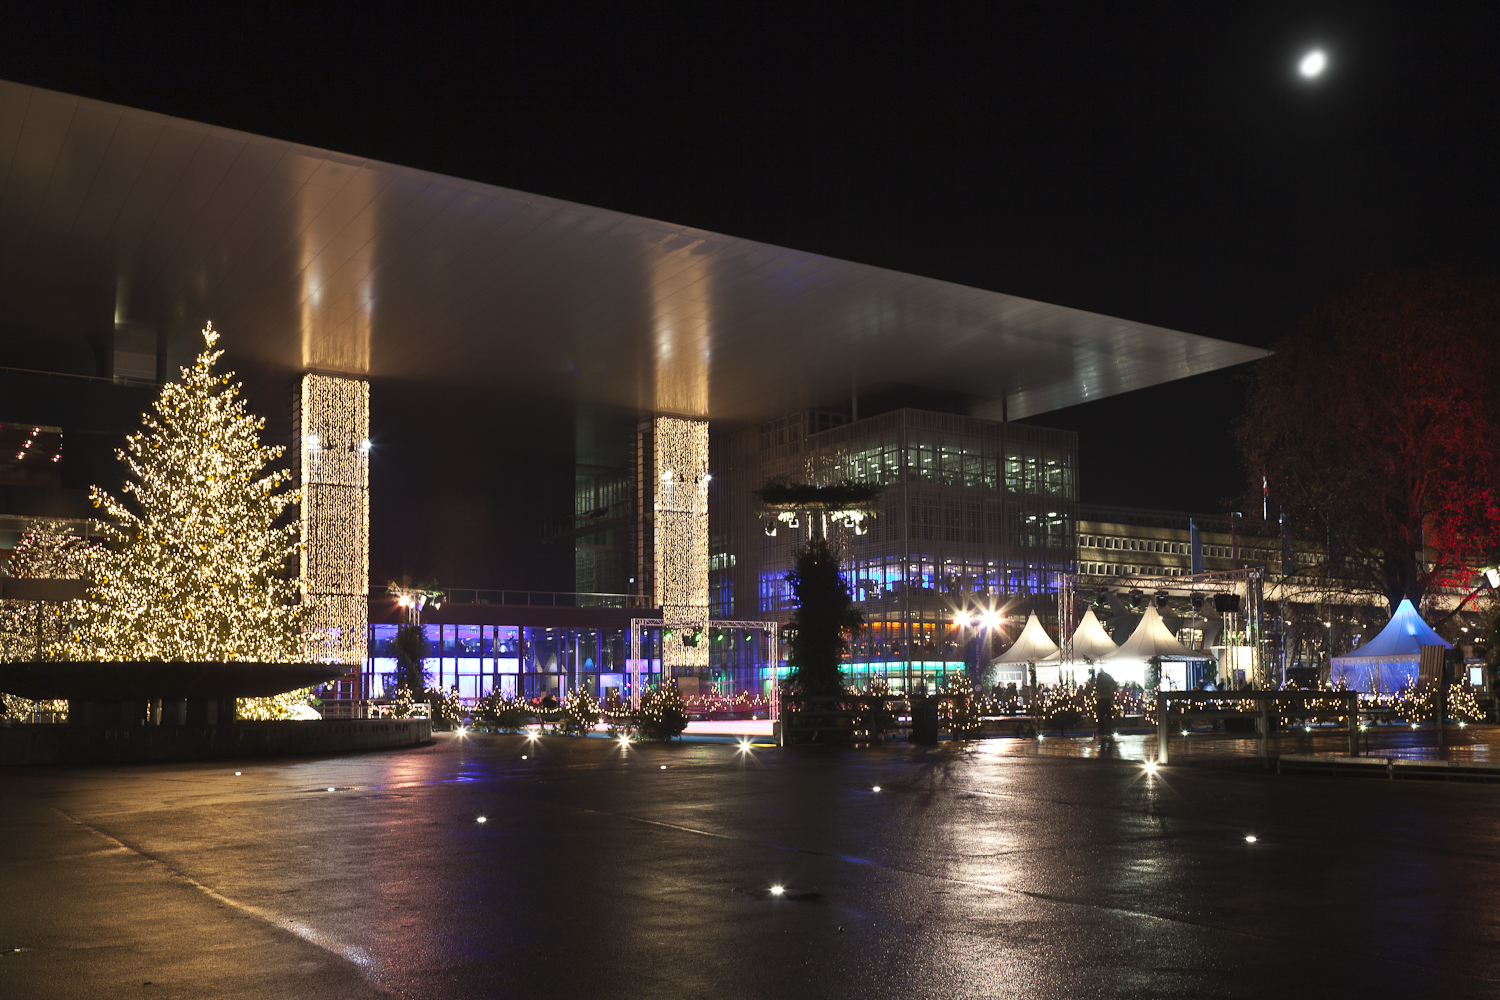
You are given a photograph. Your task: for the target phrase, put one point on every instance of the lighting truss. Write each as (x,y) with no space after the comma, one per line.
(333,423)
(635,663)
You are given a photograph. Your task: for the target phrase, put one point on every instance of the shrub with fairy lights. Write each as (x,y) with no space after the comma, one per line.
(1420,704)
(197,564)
(499,713)
(580,713)
(1066,707)
(401,703)
(447,708)
(959,712)
(663,714)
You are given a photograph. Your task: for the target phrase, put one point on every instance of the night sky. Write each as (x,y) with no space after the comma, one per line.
(1163,163)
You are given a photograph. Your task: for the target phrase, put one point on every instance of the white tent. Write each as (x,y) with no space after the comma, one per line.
(1389,661)
(1090,641)
(1031,646)
(1149,640)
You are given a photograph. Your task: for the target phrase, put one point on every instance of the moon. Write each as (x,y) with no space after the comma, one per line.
(1312,65)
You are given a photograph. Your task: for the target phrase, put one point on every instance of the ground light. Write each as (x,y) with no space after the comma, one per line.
(744,746)
(331,789)
(463,730)
(664,767)
(1150,767)
(777,890)
(237,774)
(481,819)
(1249,838)
(523,756)
(877,788)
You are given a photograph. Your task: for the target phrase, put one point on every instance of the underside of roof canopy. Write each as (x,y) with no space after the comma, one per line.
(113,218)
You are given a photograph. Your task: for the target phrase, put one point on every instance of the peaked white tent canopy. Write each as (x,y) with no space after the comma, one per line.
(1150,640)
(1389,661)
(1090,641)
(1033,645)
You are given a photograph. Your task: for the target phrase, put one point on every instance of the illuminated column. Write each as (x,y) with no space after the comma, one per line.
(333,420)
(681,542)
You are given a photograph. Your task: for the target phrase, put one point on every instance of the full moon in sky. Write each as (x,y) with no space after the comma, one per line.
(1313,64)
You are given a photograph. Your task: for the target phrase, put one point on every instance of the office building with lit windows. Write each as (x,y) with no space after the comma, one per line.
(555,412)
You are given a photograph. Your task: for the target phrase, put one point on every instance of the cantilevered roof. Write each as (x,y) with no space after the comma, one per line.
(307,258)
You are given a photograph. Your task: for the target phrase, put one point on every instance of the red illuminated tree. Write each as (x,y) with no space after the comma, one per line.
(1376,424)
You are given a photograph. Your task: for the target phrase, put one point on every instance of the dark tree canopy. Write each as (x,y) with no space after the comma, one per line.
(825,619)
(1375,425)
(782,493)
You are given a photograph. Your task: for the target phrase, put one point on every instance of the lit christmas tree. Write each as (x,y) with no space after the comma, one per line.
(47,550)
(197,566)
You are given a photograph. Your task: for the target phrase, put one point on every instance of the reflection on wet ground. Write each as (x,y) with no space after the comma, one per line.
(497,866)
(1471,743)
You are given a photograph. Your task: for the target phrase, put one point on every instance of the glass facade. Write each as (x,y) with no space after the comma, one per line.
(973,513)
(533,662)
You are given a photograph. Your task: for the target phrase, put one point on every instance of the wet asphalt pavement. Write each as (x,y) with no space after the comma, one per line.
(971,873)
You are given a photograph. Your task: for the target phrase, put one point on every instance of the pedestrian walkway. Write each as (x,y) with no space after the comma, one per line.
(1472,743)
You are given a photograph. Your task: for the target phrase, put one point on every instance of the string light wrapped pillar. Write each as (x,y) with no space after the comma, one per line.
(680,520)
(333,421)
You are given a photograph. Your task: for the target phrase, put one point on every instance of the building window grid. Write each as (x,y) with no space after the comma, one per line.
(951,537)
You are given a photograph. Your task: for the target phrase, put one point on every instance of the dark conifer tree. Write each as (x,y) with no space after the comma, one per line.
(825,620)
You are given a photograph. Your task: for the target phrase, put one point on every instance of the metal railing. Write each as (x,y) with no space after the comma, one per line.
(374,708)
(1257,705)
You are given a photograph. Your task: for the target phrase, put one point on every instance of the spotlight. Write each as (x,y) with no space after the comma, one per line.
(463,730)
(777,890)
(237,774)
(481,819)
(1249,838)
(877,788)
(664,767)
(523,756)
(1150,767)
(331,789)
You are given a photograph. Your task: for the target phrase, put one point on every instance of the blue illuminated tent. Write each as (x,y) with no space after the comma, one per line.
(1389,661)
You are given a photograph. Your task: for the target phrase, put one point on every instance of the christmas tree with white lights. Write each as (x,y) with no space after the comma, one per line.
(48,550)
(197,565)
